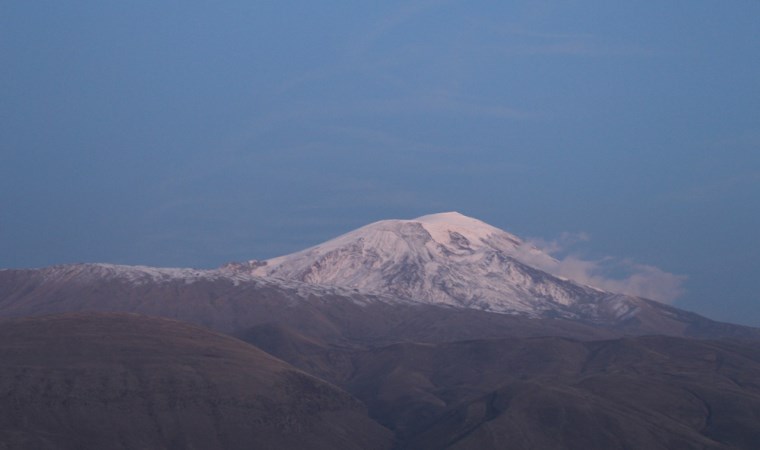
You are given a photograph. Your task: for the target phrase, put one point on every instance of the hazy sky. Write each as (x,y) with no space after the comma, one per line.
(623,135)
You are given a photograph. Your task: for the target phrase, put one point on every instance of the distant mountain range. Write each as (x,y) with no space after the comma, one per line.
(445,328)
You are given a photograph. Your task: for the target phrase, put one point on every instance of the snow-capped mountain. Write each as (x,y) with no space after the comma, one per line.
(434,324)
(441,276)
(445,258)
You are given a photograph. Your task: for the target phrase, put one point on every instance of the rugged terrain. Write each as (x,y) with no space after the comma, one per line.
(553,393)
(437,332)
(445,258)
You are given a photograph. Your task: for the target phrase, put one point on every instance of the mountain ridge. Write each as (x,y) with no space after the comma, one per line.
(446,258)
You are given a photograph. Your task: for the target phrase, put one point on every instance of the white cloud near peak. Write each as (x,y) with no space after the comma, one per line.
(623,276)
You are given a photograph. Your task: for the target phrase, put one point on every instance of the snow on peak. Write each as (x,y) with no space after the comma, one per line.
(443,227)
(451,217)
(446,258)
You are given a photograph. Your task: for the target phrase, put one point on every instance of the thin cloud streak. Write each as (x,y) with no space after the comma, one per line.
(715,190)
(391,21)
(575,48)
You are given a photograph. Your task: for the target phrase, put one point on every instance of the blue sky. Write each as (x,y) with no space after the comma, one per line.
(194,133)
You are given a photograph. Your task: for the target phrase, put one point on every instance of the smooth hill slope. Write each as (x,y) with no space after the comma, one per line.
(122,381)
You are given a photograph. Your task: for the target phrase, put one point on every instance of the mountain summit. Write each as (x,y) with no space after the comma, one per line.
(445,258)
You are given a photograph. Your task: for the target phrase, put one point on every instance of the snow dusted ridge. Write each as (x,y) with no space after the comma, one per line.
(445,258)
(145,276)
(132,274)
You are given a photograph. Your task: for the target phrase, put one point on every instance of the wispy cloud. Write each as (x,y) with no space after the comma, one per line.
(515,40)
(562,243)
(429,104)
(715,189)
(623,276)
(640,280)
(575,47)
(444,103)
(391,21)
